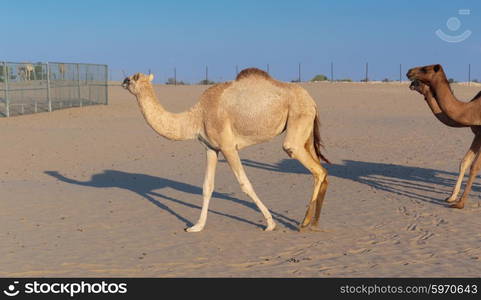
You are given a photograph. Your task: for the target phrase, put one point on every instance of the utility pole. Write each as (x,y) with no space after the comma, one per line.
(299,79)
(400,72)
(175,76)
(332,71)
(367,72)
(469,75)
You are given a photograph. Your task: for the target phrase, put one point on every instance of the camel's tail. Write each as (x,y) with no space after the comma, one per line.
(317,139)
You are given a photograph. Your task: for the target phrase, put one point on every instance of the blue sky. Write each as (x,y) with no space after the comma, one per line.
(136,36)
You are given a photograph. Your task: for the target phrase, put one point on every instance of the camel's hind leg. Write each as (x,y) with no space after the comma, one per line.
(296,144)
(475,166)
(323,189)
(234,161)
(465,163)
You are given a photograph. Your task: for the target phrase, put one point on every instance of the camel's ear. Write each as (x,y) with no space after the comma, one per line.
(151,77)
(437,68)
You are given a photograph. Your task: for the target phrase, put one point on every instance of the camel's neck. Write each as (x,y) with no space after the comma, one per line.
(438,113)
(173,126)
(461,112)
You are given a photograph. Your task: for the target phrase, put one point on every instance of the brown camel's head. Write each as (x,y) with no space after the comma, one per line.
(425,74)
(420,87)
(137,82)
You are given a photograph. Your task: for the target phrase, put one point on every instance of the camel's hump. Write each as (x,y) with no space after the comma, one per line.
(252,72)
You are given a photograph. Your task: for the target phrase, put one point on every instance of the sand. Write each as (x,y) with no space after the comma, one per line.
(94,192)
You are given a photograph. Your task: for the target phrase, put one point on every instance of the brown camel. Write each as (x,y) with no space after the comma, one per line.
(230,116)
(432,83)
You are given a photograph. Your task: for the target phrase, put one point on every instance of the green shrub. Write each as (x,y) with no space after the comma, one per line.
(320,77)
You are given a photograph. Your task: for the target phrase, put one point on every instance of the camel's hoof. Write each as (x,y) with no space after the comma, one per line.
(194,228)
(315,228)
(450,199)
(310,228)
(303,228)
(270,227)
(457,205)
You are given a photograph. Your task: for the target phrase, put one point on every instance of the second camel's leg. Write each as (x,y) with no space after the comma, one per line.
(472,175)
(465,163)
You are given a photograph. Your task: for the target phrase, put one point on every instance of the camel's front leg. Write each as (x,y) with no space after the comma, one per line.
(465,163)
(207,190)
(234,161)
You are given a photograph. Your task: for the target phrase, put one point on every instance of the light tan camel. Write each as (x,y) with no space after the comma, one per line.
(62,69)
(25,71)
(432,83)
(230,116)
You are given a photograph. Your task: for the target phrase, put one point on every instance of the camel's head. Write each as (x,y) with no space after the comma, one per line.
(137,82)
(425,74)
(420,87)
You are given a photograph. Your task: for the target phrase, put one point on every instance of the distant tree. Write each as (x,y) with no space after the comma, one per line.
(320,77)
(206,82)
(39,72)
(295,80)
(386,80)
(451,80)
(365,80)
(345,80)
(475,80)
(172,80)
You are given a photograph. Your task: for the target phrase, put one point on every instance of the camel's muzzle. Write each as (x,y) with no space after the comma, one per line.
(411,74)
(414,84)
(126,83)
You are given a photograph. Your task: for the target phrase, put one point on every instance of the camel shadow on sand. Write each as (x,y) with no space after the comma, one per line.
(412,182)
(148,187)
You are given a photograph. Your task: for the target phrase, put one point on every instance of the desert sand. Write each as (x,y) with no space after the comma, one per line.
(94,192)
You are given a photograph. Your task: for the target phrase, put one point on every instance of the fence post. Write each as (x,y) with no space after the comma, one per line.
(7,101)
(49,98)
(78,84)
(106,85)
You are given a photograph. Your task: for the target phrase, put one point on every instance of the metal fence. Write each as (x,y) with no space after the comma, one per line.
(40,87)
